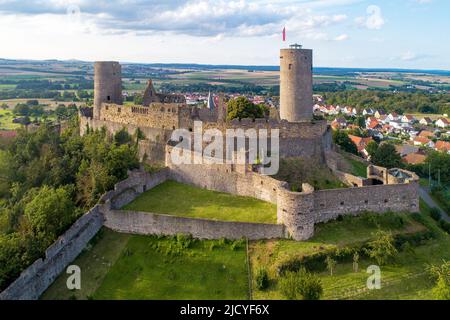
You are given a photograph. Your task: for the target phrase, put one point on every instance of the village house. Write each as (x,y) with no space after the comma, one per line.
(422,141)
(361,144)
(442,146)
(393,116)
(408,119)
(426,134)
(442,123)
(414,158)
(339,123)
(405,149)
(379,113)
(426,121)
(368,112)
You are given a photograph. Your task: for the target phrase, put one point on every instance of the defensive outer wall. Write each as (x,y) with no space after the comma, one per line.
(297,213)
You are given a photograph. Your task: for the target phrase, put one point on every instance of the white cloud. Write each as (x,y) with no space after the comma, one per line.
(373,20)
(206,18)
(342,37)
(412,56)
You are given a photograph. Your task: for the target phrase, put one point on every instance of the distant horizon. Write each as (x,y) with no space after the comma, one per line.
(230,66)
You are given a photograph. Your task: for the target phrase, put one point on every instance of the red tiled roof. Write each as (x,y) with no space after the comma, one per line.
(426,134)
(414,158)
(422,140)
(360,143)
(442,146)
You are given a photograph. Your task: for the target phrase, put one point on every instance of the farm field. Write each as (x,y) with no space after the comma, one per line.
(184,200)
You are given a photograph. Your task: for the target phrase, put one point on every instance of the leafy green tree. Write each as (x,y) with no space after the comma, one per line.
(382,248)
(372,148)
(342,139)
(122,137)
(22,109)
(387,156)
(439,162)
(50,212)
(441,274)
(241,108)
(138,99)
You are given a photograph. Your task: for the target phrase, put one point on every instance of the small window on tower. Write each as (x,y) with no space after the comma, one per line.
(108,98)
(290,66)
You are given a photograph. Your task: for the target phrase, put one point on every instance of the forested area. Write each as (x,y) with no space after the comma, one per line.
(47,180)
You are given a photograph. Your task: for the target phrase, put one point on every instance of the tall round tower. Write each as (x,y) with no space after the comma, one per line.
(296,92)
(107,84)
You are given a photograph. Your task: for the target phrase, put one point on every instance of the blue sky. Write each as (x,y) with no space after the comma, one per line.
(343,33)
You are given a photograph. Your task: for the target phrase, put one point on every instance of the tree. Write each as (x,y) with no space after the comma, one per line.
(122,137)
(4,106)
(138,99)
(342,139)
(22,109)
(387,156)
(49,212)
(331,264)
(382,249)
(300,284)
(439,162)
(441,274)
(241,108)
(372,148)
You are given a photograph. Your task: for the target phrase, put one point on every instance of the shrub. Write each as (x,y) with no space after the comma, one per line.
(435,214)
(445,226)
(441,274)
(262,279)
(301,284)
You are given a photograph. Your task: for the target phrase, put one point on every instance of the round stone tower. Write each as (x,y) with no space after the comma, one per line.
(296,92)
(107,84)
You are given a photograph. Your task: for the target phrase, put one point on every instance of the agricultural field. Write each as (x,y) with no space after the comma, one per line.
(184,200)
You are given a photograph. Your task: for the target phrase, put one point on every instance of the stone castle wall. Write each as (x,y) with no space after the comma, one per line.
(160,224)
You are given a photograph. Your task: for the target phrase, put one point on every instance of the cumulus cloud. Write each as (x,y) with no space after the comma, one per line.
(210,18)
(373,20)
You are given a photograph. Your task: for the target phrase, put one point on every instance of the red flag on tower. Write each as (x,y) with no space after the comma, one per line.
(284,34)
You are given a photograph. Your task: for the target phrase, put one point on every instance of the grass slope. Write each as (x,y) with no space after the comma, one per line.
(122,266)
(184,200)
(405,278)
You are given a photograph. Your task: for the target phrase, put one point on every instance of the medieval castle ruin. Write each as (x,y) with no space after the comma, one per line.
(299,136)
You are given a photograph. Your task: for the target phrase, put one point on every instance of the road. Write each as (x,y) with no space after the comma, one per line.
(431,203)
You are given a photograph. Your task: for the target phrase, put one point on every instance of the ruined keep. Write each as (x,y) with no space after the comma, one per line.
(107,84)
(296,85)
